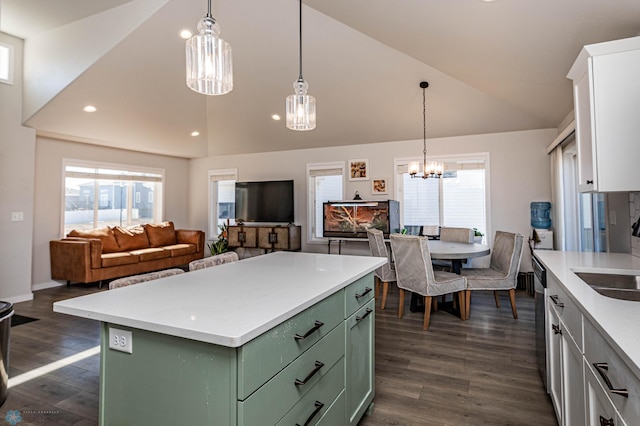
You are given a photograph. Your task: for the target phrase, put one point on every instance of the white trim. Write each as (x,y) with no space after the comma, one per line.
(336,165)
(213,177)
(10,64)
(571,127)
(18,299)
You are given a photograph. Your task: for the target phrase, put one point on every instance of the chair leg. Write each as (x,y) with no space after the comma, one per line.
(377,287)
(427,312)
(467,305)
(461,305)
(385,289)
(495,296)
(434,304)
(401,304)
(512,299)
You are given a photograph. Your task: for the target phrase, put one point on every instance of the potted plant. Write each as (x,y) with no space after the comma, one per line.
(477,236)
(221,245)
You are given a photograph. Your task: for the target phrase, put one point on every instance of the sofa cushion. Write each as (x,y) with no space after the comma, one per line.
(180,249)
(161,234)
(106,235)
(118,259)
(152,253)
(131,238)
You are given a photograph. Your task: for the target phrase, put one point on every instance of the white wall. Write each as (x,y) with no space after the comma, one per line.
(49,189)
(17,147)
(519,174)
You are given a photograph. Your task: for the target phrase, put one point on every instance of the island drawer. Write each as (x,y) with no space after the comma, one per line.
(320,401)
(567,310)
(273,400)
(358,294)
(610,365)
(263,357)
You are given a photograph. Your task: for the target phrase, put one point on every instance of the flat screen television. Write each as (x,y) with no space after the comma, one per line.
(266,201)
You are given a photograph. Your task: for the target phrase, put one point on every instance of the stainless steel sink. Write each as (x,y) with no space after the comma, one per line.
(617,286)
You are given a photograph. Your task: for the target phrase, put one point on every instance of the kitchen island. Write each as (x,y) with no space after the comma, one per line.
(282,338)
(593,342)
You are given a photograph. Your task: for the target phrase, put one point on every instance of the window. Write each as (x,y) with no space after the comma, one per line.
(222,199)
(99,195)
(6,64)
(325,183)
(458,199)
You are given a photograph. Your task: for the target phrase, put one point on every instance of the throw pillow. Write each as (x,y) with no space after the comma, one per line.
(161,234)
(131,238)
(106,235)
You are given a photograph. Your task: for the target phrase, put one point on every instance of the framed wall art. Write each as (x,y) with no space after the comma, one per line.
(379,186)
(358,169)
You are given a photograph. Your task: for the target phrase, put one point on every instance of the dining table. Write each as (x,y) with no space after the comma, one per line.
(455,252)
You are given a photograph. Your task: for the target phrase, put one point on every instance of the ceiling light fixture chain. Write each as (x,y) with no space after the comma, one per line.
(433,169)
(301,107)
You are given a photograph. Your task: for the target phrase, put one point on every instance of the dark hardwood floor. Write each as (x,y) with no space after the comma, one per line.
(477,372)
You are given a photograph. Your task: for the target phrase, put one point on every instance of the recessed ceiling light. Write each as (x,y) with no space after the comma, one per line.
(186,33)
(89,108)
(196,133)
(275,117)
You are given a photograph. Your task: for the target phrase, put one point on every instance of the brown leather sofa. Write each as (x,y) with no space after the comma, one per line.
(114,252)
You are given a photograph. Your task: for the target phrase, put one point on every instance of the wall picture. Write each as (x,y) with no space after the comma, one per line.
(379,186)
(358,169)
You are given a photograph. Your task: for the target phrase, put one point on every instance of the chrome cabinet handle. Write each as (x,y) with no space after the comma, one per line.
(366,290)
(556,302)
(319,406)
(602,368)
(318,366)
(315,327)
(606,422)
(556,329)
(358,319)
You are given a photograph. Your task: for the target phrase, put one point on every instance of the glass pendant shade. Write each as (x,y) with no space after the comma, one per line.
(301,108)
(209,64)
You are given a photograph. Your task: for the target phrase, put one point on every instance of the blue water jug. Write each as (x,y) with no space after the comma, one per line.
(541,214)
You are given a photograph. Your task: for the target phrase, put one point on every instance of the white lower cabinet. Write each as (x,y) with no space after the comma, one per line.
(600,409)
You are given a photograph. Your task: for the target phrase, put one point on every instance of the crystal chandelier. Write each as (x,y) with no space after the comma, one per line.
(209,66)
(433,169)
(301,108)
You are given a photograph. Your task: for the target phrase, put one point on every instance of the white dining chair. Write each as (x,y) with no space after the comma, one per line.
(502,273)
(384,274)
(415,273)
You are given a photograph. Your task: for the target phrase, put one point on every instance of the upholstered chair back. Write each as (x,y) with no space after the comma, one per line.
(506,254)
(413,262)
(218,259)
(379,249)
(459,235)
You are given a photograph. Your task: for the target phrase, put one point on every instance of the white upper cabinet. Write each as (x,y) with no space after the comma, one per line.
(606,91)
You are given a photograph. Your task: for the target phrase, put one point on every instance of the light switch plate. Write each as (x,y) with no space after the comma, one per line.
(17,216)
(120,340)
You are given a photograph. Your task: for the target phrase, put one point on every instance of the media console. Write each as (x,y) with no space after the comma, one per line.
(269,238)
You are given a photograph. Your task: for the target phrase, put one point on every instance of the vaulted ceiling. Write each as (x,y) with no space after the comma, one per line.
(492,67)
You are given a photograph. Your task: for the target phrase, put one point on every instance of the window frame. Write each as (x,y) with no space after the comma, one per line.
(311,191)
(10,64)
(402,163)
(214,176)
(127,168)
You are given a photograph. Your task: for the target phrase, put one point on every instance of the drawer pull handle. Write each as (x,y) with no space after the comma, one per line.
(602,368)
(366,290)
(319,406)
(590,182)
(315,327)
(606,422)
(366,314)
(313,372)
(555,301)
(556,329)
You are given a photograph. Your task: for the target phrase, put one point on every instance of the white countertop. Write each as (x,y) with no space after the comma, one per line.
(617,319)
(229,304)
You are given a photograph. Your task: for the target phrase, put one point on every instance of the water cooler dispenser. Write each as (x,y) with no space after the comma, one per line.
(541,223)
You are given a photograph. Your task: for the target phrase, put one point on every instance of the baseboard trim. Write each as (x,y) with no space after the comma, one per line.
(18,299)
(47,284)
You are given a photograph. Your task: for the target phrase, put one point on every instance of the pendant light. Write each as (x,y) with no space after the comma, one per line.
(301,108)
(209,66)
(433,169)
